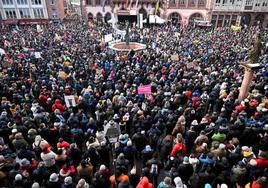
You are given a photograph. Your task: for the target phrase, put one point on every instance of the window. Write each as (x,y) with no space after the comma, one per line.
(172,3)
(201,2)
(52,2)
(54,14)
(38,13)
(224,2)
(218,1)
(36,2)
(98,2)
(89,2)
(22,2)
(24,13)
(181,2)
(10,13)
(192,2)
(7,2)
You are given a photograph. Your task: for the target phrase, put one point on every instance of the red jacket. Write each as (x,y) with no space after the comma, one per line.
(179,147)
(262,163)
(58,105)
(144,183)
(63,144)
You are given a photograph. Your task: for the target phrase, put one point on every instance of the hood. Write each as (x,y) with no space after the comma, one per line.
(178,182)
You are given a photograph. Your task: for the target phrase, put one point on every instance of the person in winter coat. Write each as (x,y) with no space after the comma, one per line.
(68,182)
(134,178)
(53,181)
(185,170)
(167,183)
(49,157)
(59,106)
(238,173)
(147,154)
(130,152)
(179,150)
(178,183)
(19,141)
(144,181)
(85,170)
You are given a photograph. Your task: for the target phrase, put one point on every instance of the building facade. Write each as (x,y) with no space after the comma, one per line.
(240,12)
(176,10)
(26,11)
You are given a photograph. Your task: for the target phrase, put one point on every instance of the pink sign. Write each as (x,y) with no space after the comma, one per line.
(145,89)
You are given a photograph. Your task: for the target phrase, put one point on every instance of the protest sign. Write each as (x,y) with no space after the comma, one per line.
(70,101)
(145,89)
(175,57)
(37,55)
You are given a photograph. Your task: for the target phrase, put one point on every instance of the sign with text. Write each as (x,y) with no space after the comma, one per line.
(145,89)
(70,101)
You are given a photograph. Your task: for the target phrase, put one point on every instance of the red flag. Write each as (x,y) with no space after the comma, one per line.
(7,43)
(8,57)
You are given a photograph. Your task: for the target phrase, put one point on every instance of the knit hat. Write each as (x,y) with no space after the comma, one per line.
(14,131)
(35,185)
(133,171)
(54,177)
(129,143)
(185,160)
(221,146)
(82,184)
(194,122)
(224,185)
(24,162)
(148,148)
(18,177)
(102,167)
(208,185)
(68,180)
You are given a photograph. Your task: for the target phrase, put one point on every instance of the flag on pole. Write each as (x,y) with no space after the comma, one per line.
(126,3)
(130,3)
(157,7)
(6,43)
(103,5)
(137,3)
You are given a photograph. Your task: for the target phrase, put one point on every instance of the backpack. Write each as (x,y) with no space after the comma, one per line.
(154,169)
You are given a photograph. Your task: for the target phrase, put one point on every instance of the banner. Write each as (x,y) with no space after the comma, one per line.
(70,101)
(236,28)
(137,3)
(108,38)
(145,89)
(157,7)
(37,55)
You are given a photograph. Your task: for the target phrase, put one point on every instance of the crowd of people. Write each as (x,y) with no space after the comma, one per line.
(191,131)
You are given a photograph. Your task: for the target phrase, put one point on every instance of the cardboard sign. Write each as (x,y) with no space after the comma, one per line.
(62,75)
(37,55)
(175,57)
(112,132)
(145,89)
(70,101)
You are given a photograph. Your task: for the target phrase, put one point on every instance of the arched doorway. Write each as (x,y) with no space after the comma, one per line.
(143,12)
(259,19)
(174,17)
(99,16)
(107,16)
(246,19)
(90,16)
(196,16)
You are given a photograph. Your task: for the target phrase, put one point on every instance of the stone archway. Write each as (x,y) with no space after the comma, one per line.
(107,16)
(90,16)
(259,19)
(143,12)
(174,17)
(99,16)
(196,16)
(246,19)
